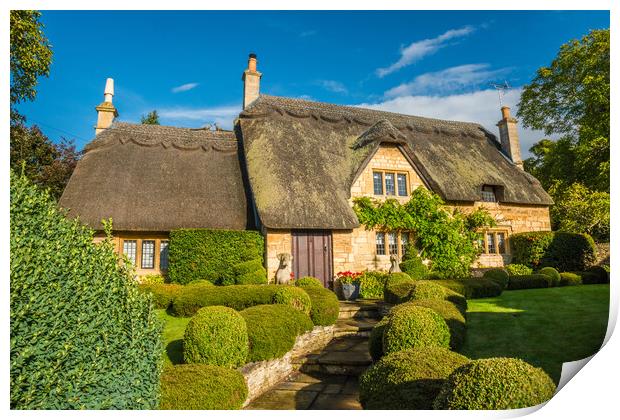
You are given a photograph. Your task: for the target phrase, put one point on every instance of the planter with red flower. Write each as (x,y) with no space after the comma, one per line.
(349,284)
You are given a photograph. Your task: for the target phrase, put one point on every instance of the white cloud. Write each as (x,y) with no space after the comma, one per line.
(184,88)
(480,107)
(420,49)
(222,115)
(333,86)
(447,80)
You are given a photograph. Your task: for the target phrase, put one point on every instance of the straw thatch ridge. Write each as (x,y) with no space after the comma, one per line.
(303,156)
(157,178)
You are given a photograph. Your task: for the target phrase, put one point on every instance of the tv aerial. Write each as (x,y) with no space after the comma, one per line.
(501,90)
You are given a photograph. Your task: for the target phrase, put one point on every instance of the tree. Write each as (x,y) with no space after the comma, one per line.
(31,54)
(580,210)
(150,118)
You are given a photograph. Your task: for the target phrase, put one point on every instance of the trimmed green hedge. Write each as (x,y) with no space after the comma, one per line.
(217,336)
(202,387)
(324,305)
(162,294)
(82,335)
(415,326)
(570,279)
(533,281)
(449,312)
(272,330)
(562,250)
(457,299)
(308,282)
(375,340)
(552,273)
(372,284)
(409,379)
(293,296)
(495,384)
(427,289)
(601,274)
(211,254)
(518,270)
(498,275)
(472,288)
(398,287)
(250,272)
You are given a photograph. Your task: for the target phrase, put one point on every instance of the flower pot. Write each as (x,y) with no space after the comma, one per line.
(350,291)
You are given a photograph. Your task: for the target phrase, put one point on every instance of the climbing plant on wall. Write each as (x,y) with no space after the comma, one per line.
(446,238)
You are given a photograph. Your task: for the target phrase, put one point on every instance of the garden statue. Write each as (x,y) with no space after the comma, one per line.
(394,268)
(283,274)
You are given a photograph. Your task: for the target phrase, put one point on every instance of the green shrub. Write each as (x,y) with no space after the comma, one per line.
(372,284)
(427,289)
(533,281)
(308,282)
(217,336)
(602,274)
(553,273)
(256,277)
(498,275)
(202,387)
(413,327)
(272,330)
(472,288)
(199,281)
(562,250)
(457,299)
(162,294)
(587,277)
(396,293)
(570,279)
(518,270)
(449,312)
(375,340)
(211,254)
(295,297)
(324,308)
(412,263)
(409,379)
(151,279)
(82,335)
(495,384)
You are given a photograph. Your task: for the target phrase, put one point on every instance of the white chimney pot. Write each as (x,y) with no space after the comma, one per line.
(108,93)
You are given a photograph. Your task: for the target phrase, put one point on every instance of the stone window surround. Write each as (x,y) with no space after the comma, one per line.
(495,232)
(399,242)
(138,249)
(396,173)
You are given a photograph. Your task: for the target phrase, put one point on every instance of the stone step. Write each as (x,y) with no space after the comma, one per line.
(354,327)
(363,309)
(343,356)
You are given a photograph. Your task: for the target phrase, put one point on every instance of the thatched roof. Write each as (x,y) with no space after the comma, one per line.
(157,178)
(302,158)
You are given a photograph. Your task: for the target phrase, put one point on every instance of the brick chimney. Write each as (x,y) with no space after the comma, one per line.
(106,112)
(251,82)
(509,137)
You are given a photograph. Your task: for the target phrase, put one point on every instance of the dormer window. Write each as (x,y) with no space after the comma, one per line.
(390,183)
(488,194)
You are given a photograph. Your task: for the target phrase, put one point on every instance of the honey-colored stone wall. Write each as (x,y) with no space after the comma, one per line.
(276,242)
(117,241)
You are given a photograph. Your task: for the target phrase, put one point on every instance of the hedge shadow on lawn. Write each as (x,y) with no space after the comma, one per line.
(174,350)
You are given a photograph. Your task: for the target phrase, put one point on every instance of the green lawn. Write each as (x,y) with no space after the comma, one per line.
(545,327)
(174,328)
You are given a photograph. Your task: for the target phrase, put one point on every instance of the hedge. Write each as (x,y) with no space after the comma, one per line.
(415,326)
(533,281)
(372,284)
(498,275)
(449,312)
(495,384)
(518,270)
(250,272)
(211,254)
(324,305)
(409,379)
(202,387)
(162,294)
(427,289)
(562,250)
(412,264)
(375,340)
(293,296)
(587,277)
(472,288)
(308,282)
(553,273)
(82,335)
(457,299)
(272,330)
(397,288)
(601,274)
(217,336)
(570,279)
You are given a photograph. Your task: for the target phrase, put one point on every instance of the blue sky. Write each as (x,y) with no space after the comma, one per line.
(188,65)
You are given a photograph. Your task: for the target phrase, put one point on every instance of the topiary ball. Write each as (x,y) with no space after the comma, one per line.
(449,312)
(398,291)
(308,282)
(202,387)
(375,340)
(218,336)
(498,275)
(570,279)
(551,273)
(409,379)
(415,326)
(495,384)
(293,296)
(518,270)
(427,290)
(325,306)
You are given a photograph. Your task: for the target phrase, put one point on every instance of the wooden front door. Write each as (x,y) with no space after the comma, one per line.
(312,254)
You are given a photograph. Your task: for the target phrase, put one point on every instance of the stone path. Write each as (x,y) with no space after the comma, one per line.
(328,380)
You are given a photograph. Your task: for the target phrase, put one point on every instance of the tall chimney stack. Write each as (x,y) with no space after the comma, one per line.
(251,82)
(509,137)
(106,112)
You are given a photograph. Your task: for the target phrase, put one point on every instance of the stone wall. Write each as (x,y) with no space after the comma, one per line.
(276,242)
(261,376)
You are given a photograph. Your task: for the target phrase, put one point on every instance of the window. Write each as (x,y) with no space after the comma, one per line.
(490,243)
(390,188)
(129,249)
(501,242)
(148,254)
(402,184)
(163,255)
(377,181)
(404,240)
(380,243)
(493,242)
(488,194)
(393,243)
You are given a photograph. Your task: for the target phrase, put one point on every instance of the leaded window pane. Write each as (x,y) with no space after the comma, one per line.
(377,182)
(404,240)
(491,243)
(129,249)
(402,184)
(488,194)
(501,243)
(390,188)
(380,243)
(393,243)
(163,255)
(148,254)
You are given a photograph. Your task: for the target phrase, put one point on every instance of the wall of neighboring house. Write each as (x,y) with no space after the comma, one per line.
(159,252)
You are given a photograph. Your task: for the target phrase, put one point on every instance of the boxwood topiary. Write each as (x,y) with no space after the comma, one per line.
(202,387)
(396,292)
(82,335)
(449,312)
(472,288)
(324,306)
(162,294)
(409,379)
(457,299)
(255,277)
(372,284)
(412,264)
(375,340)
(295,297)
(415,326)
(588,277)
(498,275)
(533,281)
(552,273)
(495,384)
(218,336)
(427,290)
(272,330)
(308,282)
(601,274)
(518,270)
(570,279)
